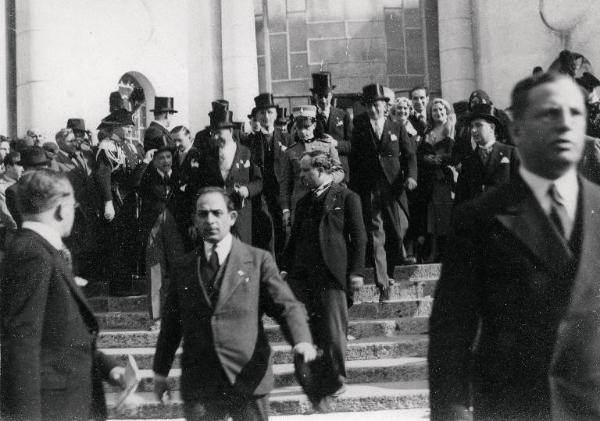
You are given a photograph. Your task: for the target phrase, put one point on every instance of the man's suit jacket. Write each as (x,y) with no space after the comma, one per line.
(342,234)
(231,329)
(475,177)
(157,135)
(339,126)
(510,280)
(392,158)
(51,369)
(419,124)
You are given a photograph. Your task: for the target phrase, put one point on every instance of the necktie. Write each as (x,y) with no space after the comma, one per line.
(484,154)
(66,255)
(209,270)
(558,213)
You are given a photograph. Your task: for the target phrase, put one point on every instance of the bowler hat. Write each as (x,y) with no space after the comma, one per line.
(307,111)
(120,117)
(588,81)
(264,100)
(221,119)
(322,83)
(76,124)
(374,92)
(163,104)
(115,101)
(34,156)
(485,112)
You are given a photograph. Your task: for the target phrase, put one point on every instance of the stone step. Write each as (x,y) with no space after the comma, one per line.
(363,349)
(292,401)
(363,311)
(358,328)
(361,371)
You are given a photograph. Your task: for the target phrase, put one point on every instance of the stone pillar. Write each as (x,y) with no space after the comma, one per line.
(456,49)
(240,69)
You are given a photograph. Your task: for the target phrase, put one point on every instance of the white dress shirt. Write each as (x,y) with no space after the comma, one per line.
(47,233)
(566,185)
(378,126)
(222,248)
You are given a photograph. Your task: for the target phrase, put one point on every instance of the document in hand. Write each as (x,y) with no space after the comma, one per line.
(132,379)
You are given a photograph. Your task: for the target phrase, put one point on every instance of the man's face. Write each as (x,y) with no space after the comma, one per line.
(124,133)
(36,136)
(212,218)
(305,129)
(14,171)
(551,133)
(222,136)
(254,125)
(482,131)
(182,141)
(266,117)
(310,176)
(69,144)
(322,99)
(420,99)
(4,149)
(163,161)
(377,109)
(68,205)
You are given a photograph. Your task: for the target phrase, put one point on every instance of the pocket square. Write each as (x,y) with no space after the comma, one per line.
(505,160)
(194,164)
(247,164)
(339,123)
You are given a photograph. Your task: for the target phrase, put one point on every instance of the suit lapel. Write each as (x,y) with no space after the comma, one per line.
(493,160)
(234,169)
(236,271)
(528,222)
(330,199)
(197,279)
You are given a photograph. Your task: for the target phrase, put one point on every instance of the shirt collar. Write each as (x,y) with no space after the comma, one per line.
(163,175)
(223,248)
(487,147)
(46,232)
(567,186)
(322,188)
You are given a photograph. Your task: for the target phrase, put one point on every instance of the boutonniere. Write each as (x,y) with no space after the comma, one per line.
(410,130)
(282,146)
(393,137)
(339,123)
(194,163)
(237,164)
(505,160)
(247,164)
(182,188)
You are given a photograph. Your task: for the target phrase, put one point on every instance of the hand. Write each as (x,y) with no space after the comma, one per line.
(410,184)
(117,376)
(356,282)
(308,351)
(109,211)
(161,387)
(149,156)
(286,217)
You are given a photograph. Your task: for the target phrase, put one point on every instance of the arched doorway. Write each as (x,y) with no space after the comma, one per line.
(141,116)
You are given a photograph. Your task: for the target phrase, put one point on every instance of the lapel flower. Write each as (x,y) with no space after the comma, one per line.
(247,164)
(182,188)
(393,137)
(505,160)
(339,123)
(194,163)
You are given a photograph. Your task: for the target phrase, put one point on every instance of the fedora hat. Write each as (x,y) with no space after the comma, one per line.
(221,119)
(485,112)
(34,156)
(163,104)
(322,83)
(118,118)
(264,100)
(76,124)
(374,92)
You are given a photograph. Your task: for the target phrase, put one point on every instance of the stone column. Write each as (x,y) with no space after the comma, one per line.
(240,69)
(456,49)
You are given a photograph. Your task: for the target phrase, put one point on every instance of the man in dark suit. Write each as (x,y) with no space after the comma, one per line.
(513,330)
(491,163)
(419,95)
(51,369)
(325,258)
(334,121)
(382,162)
(158,132)
(215,303)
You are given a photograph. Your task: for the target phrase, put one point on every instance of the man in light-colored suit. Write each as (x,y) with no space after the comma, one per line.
(215,303)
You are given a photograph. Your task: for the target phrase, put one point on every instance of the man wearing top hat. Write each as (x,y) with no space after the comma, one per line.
(336,122)
(158,132)
(491,164)
(382,160)
(268,148)
(83,136)
(203,140)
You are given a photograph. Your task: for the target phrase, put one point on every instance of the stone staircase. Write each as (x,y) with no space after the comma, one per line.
(386,361)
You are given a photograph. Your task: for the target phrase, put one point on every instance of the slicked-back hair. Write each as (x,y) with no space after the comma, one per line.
(416,88)
(207,190)
(177,129)
(62,134)
(520,93)
(40,190)
(320,160)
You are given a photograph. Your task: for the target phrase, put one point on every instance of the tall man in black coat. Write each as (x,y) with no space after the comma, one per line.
(158,132)
(514,326)
(51,369)
(382,160)
(491,164)
(325,259)
(215,303)
(334,121)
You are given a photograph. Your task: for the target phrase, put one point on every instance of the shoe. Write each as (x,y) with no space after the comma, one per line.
(155,326)
(384,295)
(339,392)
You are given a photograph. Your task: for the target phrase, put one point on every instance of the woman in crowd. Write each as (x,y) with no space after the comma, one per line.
(436,180)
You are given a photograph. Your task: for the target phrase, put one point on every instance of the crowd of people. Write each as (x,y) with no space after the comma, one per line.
(293,208)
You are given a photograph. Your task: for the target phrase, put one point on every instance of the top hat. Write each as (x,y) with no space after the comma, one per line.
(219,106)
(485,112)
(374,92)
(588,81)
(307,111)
(322,83)
(163,104)
(120,117)
(34,156)
(264,101)
(221,119)
(282,116)
(76,124)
